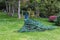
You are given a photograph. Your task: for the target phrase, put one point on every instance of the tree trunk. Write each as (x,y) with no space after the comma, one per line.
(10,11)
(6,3)
(19,9)
(13,11)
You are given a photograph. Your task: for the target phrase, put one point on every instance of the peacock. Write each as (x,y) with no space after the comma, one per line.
(31,25)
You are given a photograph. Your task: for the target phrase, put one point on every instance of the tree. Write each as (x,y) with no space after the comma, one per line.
(19,9)
(6,3)
(48,7)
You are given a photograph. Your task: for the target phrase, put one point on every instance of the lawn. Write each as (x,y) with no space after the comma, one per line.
(9,26)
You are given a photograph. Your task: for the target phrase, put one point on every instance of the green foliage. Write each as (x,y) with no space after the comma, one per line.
(2,4)
(58,21)
(45,7)
(48,7)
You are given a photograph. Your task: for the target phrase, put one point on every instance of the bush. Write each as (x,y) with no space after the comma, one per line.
(52,18)
(49,8)
(57,22)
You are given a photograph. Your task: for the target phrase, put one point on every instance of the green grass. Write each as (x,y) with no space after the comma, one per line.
(9,26)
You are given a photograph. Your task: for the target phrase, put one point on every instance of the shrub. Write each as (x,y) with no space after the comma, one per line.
(57,22)
(52,18)
(49,8)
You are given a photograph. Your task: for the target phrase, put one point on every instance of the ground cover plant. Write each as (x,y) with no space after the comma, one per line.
(57,22)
